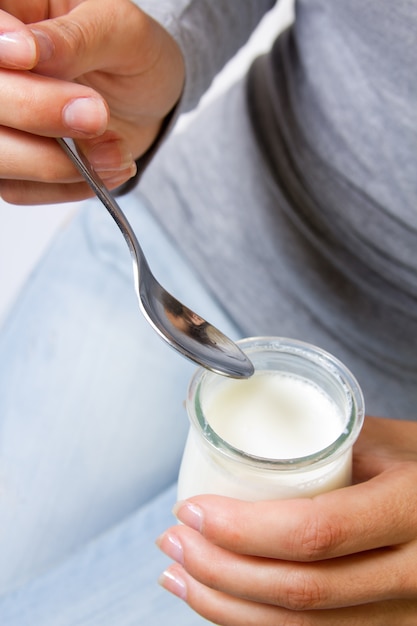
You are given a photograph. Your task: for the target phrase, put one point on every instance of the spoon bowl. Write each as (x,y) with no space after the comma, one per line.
(179,326)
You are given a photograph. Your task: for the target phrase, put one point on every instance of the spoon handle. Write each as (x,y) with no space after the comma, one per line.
(99,188)
(183,329)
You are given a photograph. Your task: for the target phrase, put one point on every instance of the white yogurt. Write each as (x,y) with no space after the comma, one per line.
(277,416)
(286,432)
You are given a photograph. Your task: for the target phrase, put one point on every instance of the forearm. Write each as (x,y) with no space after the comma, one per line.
(209,33)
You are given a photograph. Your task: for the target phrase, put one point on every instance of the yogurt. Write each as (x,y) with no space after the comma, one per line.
(277,416)
(286,432)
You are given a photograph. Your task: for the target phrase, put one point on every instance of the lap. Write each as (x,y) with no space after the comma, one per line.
(91,399)
(110,581)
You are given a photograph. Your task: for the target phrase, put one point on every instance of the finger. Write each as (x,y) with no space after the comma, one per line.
(378,513)
(224,610)
(67,185)
(45,106)
(95,35)
(345,581)
(382,443)
(40,159)
(18,47)
(215,606)
(29,193)
(27,157)
(25,11)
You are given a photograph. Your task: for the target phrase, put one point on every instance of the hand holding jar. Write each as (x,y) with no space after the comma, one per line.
(344,557)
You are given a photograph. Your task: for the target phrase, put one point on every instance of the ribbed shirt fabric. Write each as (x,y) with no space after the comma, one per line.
(295,194)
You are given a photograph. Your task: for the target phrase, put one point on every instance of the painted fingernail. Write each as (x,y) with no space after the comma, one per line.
(17,50)
(172,581)
(110,157)
(189,514)
(171,546)
(86,115)
(45,45)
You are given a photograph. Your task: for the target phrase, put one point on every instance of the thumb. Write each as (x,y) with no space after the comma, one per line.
(95,35)
(18,47)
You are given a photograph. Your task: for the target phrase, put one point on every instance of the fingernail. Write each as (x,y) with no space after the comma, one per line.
(110,157)
(17,50)
(189,514)
(45,45)
(172,581)
(171,546)
(86,115)
(120,178)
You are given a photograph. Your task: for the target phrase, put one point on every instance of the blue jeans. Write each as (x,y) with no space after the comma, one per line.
(92,428)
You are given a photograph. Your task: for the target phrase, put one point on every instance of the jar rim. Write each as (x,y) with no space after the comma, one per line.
(298,349)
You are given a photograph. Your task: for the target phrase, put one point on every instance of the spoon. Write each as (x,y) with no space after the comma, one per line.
(183,329)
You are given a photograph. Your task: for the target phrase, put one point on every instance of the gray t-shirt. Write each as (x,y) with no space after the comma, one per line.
(295,195)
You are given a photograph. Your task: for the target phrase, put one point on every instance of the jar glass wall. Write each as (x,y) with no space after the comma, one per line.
(212,464)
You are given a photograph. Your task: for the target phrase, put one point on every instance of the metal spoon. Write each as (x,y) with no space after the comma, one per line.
(183,329)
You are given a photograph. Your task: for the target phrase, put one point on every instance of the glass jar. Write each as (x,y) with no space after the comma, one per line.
(211,464)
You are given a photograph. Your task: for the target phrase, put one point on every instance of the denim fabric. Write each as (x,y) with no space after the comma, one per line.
(92,428)
(109,582)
